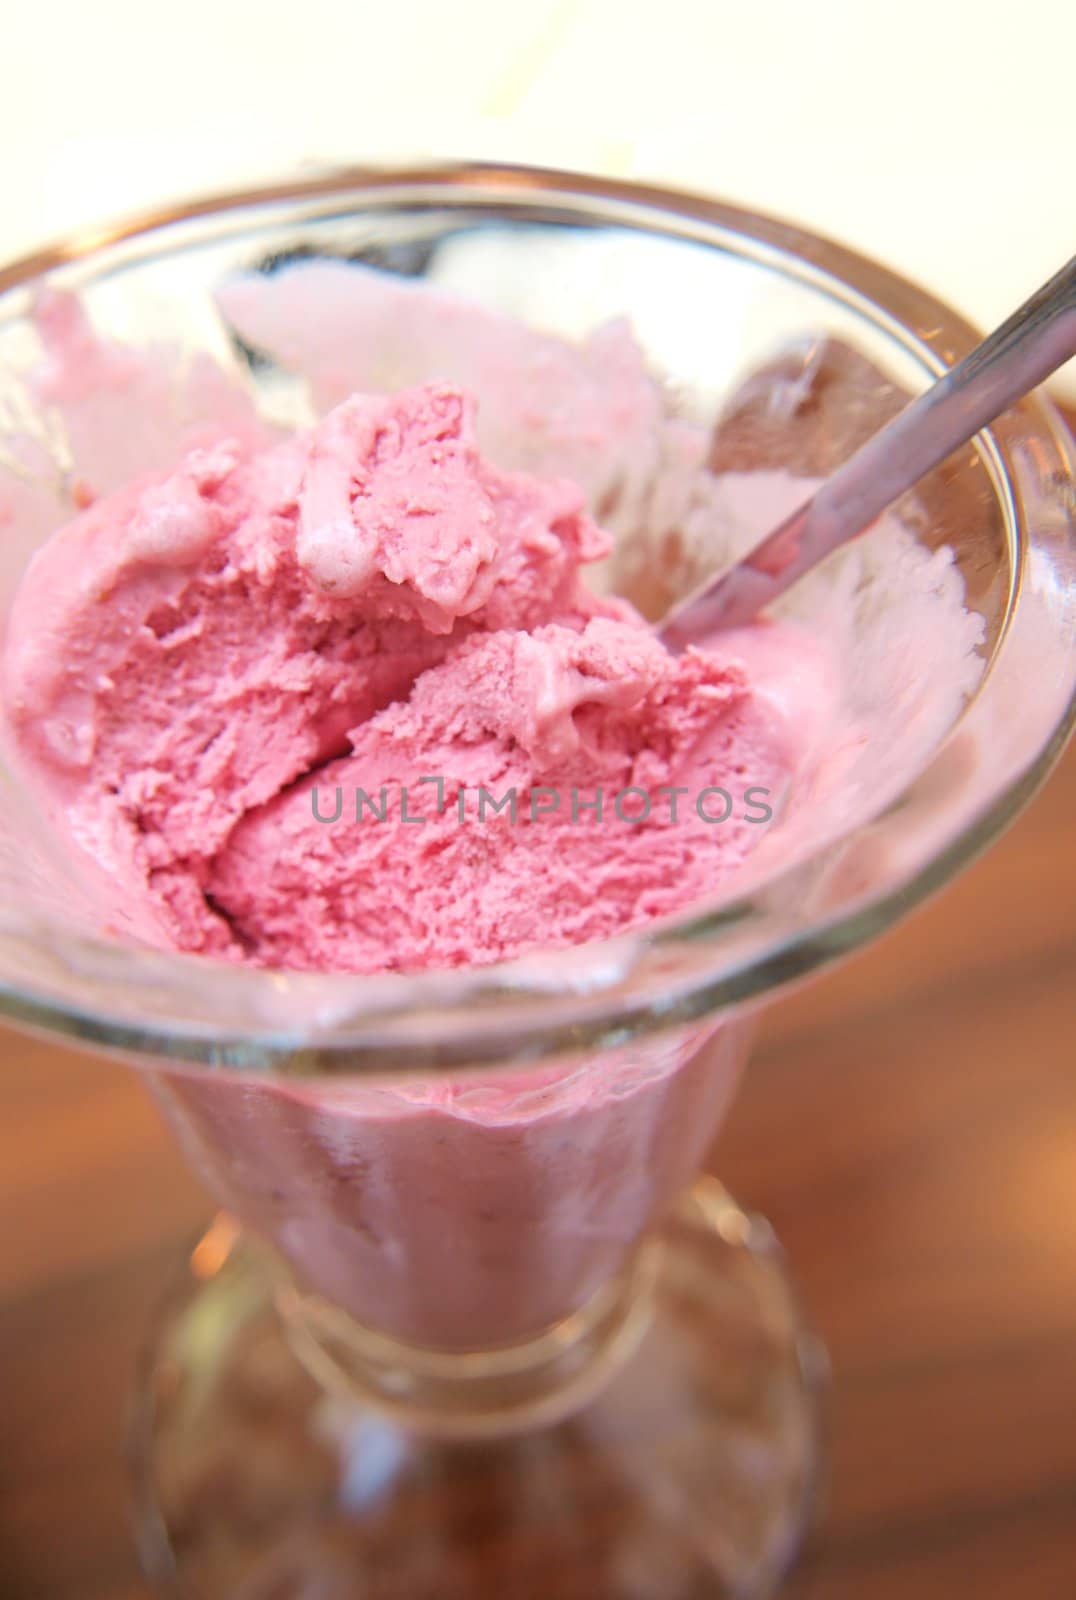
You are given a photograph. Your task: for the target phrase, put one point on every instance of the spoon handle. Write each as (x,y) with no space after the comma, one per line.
(1018,355)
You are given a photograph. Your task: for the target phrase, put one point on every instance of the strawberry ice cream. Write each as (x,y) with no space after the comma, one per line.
(371,609)
(345,701)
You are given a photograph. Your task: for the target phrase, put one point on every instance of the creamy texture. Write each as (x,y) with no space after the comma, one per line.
(187,659)
(579,738)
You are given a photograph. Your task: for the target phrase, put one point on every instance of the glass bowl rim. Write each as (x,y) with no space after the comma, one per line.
(605,993)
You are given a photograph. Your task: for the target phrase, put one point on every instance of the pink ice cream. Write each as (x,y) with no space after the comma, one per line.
(373,618)
(202,666)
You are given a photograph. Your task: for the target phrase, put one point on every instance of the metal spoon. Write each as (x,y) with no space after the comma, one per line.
(1024,350)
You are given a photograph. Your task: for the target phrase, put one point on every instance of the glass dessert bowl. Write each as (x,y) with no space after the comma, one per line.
(466,1325)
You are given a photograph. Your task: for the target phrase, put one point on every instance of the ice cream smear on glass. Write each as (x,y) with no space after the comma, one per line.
(345,698)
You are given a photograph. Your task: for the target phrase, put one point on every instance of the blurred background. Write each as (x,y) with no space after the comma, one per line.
(935,136)
(909,1123)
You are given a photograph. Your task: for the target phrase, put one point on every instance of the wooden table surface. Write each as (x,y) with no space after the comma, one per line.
(909,1125)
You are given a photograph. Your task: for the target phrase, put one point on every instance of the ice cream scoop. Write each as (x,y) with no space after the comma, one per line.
(1018,355)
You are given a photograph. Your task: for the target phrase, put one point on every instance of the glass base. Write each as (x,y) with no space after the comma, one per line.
(688,1468)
